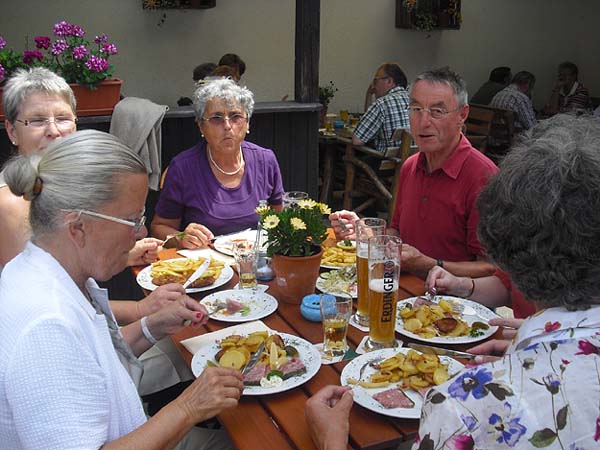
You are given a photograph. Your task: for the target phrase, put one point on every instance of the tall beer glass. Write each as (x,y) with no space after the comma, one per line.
(384,279)
(364,229)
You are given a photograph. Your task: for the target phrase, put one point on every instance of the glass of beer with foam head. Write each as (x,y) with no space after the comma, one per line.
(384,279)
(364,229)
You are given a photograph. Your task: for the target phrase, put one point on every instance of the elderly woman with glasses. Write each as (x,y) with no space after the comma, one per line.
(66,368)
(214,187)
(40,108)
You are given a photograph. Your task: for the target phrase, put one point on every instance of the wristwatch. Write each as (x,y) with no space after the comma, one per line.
(440,263)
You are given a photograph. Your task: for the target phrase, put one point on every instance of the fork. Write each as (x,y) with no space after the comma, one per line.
(371,363)
(430,296)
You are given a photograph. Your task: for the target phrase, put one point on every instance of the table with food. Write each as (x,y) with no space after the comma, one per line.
(272,344)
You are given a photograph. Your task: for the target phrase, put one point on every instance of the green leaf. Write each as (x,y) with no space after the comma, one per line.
(437,398)
(245,311)
(561,417)
(499,390)
(543,438)
(274,373)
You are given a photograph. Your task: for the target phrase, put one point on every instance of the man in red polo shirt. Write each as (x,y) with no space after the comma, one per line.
(435,213)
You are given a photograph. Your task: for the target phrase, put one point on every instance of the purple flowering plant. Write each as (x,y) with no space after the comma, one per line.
(68,53)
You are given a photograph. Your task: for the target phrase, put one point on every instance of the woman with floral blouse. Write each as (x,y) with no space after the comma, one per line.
(540,222)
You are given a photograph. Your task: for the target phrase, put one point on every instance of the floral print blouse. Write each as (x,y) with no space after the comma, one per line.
(544,393)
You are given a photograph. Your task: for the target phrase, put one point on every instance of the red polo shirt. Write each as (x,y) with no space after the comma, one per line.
(435,212)
(521,307)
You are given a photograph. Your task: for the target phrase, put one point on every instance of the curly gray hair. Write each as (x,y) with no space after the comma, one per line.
(26,82)
(226,90)
(75,172)
(540,216)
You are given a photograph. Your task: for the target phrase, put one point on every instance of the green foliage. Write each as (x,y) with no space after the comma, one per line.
(326,93)
(295,231)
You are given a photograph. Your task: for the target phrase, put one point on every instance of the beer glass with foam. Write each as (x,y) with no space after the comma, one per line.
(364,229)
(384,279)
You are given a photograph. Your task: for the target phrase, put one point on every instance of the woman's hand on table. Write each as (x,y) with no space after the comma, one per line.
(144,252)
(327,414)
(342,223)
(215,390)
(162,296)
(494,349)
(176,316)
(196,236)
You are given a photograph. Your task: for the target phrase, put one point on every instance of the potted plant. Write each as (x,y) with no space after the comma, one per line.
(294,238)
(83,64)
(326,93)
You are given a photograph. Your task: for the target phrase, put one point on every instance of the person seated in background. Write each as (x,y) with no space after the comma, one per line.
(435,213)
(545,390)
(215,186)
(517,97)
(225,72)
(233,60)
(200,73)
(59,343)
(388,113)
(499,79)
(568,94)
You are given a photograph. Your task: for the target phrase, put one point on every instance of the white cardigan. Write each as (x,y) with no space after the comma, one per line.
(62,385)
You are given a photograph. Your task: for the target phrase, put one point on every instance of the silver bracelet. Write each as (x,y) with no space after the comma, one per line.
(146,331)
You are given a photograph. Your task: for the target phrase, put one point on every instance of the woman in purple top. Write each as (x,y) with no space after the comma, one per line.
(214,187)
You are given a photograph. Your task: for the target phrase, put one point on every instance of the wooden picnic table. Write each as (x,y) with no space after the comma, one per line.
(277,421)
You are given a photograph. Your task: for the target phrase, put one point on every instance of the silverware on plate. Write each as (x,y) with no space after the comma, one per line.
(212,241)
(254,359)
(431,350)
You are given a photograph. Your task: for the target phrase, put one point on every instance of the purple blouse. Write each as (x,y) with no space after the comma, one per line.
(192,192)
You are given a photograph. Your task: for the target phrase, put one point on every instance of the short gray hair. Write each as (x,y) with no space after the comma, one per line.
(226,90)
(448,77)
(75,172)
(540,216)
(26,82)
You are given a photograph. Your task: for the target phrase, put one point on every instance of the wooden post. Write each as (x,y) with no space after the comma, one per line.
(306,71)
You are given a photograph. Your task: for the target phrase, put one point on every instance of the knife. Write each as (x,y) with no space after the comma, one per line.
(198,273)
(430,350)
(212,241)
(254,359)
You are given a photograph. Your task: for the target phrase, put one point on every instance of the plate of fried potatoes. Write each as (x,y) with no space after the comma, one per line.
(338,257)
(178,270)
(436,322)
(392,369)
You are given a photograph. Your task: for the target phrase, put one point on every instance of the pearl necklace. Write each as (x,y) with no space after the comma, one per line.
(235,172)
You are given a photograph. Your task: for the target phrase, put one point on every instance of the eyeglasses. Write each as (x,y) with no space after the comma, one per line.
(234,119)
(137,224)
(380,78)
(435,113)
(61,122)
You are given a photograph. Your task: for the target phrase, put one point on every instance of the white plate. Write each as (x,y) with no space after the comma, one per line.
(145,280)
(224,244)
(353,288)
(364,396)
(343,247)
(261,304)
(307,352)
(471,307)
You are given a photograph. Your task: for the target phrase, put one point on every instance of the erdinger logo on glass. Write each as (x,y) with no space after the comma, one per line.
(388,292)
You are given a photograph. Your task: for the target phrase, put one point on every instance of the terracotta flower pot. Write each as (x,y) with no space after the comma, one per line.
(296,276)
(100,101)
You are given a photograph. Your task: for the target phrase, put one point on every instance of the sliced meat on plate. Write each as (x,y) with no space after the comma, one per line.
(394,398)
